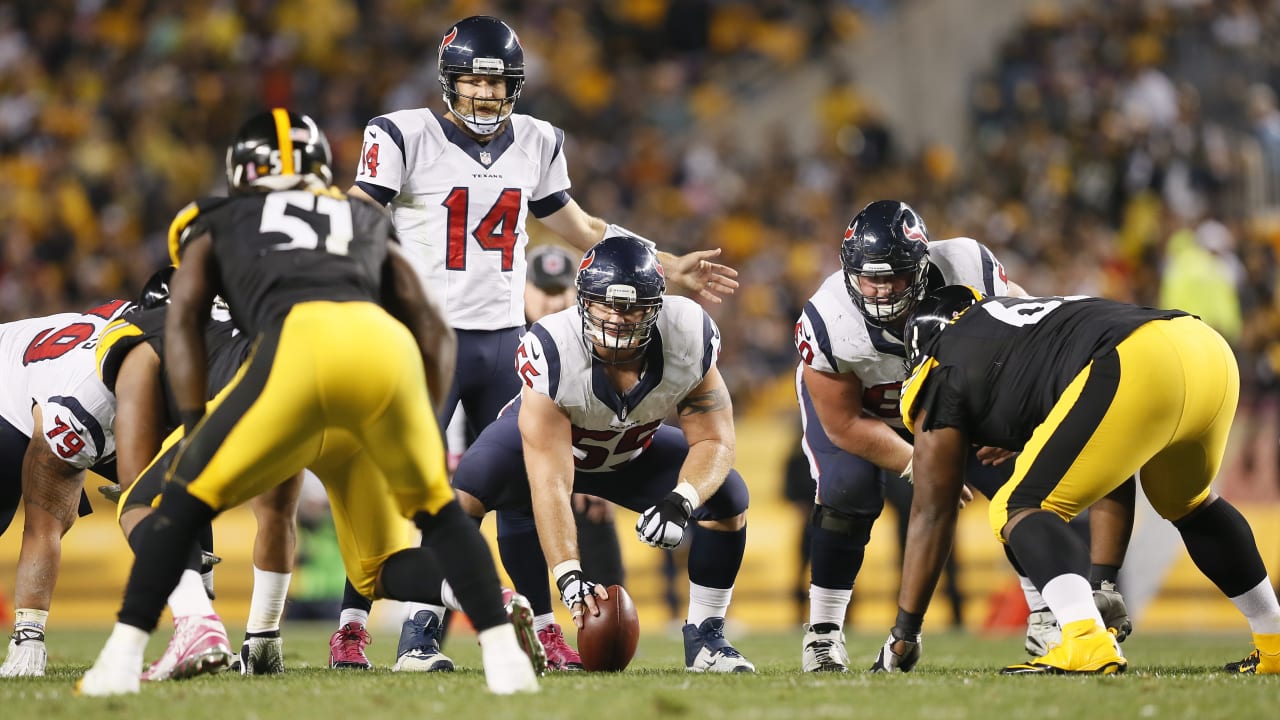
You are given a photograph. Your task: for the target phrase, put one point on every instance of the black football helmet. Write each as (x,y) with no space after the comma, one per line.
(156,292)
(933,314)
(622,272)
(278,150)
(481,45)
(887,238)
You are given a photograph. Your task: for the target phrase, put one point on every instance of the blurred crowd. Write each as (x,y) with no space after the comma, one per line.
(1121,149)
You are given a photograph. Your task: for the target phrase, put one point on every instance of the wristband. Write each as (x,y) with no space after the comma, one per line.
(909,623)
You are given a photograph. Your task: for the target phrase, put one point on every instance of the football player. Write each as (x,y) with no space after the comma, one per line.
(852,364)
(348,354)
(55,422)
(460,185)
(130,361)
(598,381)
(1090,391)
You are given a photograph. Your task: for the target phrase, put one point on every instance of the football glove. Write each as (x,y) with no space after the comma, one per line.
(1115,615)
(890,661)
(574,589)
(111,492)
(662,525)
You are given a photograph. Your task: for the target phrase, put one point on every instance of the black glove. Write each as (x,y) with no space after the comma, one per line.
(1115,615)
(662,525)
(890,661)
(574,589)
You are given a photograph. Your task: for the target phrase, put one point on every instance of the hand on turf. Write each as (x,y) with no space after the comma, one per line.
(579,595)
(899,653)
(662,525)
(1115,614)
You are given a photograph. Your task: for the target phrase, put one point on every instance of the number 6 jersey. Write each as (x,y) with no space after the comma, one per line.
(611,428)
(50,362)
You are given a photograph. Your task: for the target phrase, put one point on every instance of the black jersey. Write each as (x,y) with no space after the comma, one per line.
(998,370)
(226,346)
(277,249)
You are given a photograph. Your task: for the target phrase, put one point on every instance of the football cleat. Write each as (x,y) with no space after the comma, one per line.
(560,656)
(707,650)
(199,646)
(27,656)
(520,615)
(419,649)
(506,665)
(111,674)
(822,649)
(346,648)
(1115,615)
(1264,660)
(1086,649)
(261,653)
(1042,632)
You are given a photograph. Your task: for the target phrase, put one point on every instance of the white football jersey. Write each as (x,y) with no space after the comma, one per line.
(51,362)
(610,428)
(461,206)
(833,336)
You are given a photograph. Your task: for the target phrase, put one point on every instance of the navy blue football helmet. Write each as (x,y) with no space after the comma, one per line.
(623,273)
(481,45)
(887,238)
(278,150)
(156,292)
(935,312)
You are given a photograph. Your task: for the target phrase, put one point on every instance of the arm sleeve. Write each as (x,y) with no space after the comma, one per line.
(383,160)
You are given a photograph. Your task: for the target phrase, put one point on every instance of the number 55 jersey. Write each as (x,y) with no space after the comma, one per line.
(50,362)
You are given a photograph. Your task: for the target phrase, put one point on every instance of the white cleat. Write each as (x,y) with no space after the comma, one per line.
(27,656)
(112,674)
(707,650)
(823,650)
(507,669)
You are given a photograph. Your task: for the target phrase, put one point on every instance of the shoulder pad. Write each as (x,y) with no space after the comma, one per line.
(180,228)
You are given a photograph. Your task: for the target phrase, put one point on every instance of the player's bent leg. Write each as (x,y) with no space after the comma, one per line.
(715,556)
(262,652)
(839,545)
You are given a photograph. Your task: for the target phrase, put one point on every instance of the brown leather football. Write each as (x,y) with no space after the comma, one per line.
(607,641)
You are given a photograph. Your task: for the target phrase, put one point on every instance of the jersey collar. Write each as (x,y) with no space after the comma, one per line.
(623,403)
(485,154)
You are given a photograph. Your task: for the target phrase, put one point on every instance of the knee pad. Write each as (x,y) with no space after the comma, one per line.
(857,527)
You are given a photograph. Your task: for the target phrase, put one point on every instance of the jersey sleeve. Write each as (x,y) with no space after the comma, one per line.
(78,427)
(931,389)
(188,223)
(380,171)
(552,191)
(538,361)
(813,343)
(710,343)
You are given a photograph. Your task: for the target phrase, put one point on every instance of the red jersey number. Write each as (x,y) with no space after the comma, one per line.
(70,443)
(50,344)
(496,231)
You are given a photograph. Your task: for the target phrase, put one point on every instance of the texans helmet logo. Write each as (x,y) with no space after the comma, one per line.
(587,260)
(453,34)
(913,232)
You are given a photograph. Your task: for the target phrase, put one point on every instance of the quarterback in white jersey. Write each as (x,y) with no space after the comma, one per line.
(852,365)
(55,422)
(598,381)
(460,185)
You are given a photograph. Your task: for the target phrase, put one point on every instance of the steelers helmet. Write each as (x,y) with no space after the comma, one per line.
(278,150)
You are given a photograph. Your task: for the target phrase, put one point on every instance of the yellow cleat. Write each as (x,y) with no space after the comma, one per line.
(1086,649)
(1264,660)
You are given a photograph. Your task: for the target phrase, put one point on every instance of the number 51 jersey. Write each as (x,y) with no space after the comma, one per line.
(51,362)
(609,427)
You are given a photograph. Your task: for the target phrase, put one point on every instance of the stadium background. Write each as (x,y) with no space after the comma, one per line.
(1126,149)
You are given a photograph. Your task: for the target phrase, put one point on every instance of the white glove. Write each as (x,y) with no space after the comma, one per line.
(663,524)
(574,589)
(890,661)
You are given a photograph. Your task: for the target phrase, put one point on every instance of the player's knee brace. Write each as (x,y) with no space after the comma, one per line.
(856,527)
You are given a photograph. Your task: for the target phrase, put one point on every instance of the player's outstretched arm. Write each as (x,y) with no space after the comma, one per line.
(191,293)
(695,272)
(406,299)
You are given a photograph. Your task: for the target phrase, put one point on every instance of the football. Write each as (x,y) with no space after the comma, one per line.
(607,641)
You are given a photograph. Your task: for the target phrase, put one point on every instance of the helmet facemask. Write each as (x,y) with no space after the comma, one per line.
(477,123)
(888,309)
(607,338)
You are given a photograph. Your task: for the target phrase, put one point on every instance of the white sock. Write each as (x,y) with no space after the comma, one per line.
(30,619)
(706,602)
(1029,591)
(448,598)
(189,597)
(542,622)
(126,640)
(353,615)
(828,605)
(1260,606)
(412,608)
(1070,597)
(267,606)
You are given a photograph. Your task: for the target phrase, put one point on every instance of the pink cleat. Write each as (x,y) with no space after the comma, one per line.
(560,656)
(199,646)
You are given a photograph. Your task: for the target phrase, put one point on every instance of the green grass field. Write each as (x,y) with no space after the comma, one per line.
(1170,676)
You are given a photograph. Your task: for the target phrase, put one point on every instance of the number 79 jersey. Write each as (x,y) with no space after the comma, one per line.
(611,428)
(461,206)
(277,249)
(51,362)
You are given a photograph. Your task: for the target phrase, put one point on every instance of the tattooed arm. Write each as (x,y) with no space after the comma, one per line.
(50,496)
(706,416)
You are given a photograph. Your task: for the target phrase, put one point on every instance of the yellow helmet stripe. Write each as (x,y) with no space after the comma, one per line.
(286,140)
(180,223)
